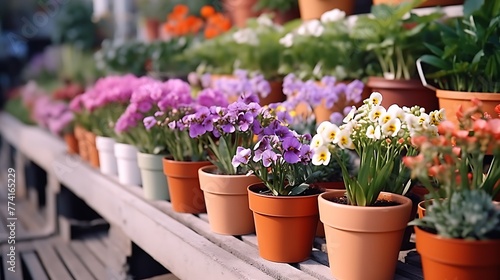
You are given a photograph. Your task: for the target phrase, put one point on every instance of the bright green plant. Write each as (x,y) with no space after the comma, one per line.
(276,5)
(129,57)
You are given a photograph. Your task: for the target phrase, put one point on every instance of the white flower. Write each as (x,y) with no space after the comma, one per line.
(376,112)
(373,132)
(317,141)
(351,21)
(246,36)
(330,133)
(396,111)
(332,16)
(311,28)
(392,127)
(321,156)
(322,126)
(386,117)
(265,20)
(344,140)
(287,41)
(375,98)
(423,119)
(349,116)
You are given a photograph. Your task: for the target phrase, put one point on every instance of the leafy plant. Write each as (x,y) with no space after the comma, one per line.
(275,5)
(129,57)
(467,56)
(467,214)
(393,36)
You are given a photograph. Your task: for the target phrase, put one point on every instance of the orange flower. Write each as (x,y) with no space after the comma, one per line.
(497,109)
(179,12)
(194,24)
(207,11)
(210,32)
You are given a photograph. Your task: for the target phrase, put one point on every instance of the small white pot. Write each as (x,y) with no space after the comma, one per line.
(107,159)
(128,169)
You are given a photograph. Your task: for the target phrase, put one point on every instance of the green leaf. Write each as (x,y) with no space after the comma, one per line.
(435,61)
(470,6)
(299,189)
(435,50)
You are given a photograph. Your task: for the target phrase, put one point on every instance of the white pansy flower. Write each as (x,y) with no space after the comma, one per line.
(246,36)
(344,140)
(376,112)
(423,119)
(265,20)
(287,41)
(322,126)
(349,116)
(392,127)
(317,141)
(370,132)
(321,156)
(396,111)
(311,28)
(375,98)
(351,21)
(332,16)
(330,133)
(386,117)
(441,116)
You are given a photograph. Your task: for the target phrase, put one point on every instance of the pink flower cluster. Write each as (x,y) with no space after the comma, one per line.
(54,115)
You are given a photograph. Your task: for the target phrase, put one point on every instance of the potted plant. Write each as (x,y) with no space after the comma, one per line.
(394,40)
(186,154)
(281,10)
(152,13)
(225,187)
(373,205)
(284,203)
(462,217)
(426,3)
(313,9)
(465,60)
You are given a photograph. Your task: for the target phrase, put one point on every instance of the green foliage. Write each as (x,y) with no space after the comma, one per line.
(166,57)
(467,214)
(393,36)
(276,5)
(129,57)
(16,108)
(467,56)
(74,25)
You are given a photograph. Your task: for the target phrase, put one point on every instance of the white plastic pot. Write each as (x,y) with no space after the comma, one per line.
(128,169)
(154,182)
(107,159)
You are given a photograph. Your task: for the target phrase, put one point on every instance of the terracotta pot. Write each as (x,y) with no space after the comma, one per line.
(285,225)
(152,28)
(107,158)
(320,230)
(154,183)
(404,93)
(126,162)
(282,17)
(446,258)
(313,9)
(186,195)
(71,143)
(276,95)
(363,242)
(428,3)
(92,149)
(240,11)
(82,143)
(226,198)
(452,100)
(421,208)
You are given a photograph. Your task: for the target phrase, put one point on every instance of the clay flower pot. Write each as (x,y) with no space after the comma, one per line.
(363,242)
(71,143)
(404,93)
(313,9)
(447,258)
(452,100)
(82,143)
(186,195)
(126,161)
(285,225)
(92,149)
(107,159)
(154,183)
(428,3)
(226,198)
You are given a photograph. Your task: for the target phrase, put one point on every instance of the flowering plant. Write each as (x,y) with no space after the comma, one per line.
(380,137)
(249,87)
(281,158)
(226,128)
(53,115)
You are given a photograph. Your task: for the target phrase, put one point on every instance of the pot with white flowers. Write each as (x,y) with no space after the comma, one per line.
(283,204)
(364,224)
(459,236)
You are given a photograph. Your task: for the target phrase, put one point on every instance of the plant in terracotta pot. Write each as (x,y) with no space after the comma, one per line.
(224,186)
(380,137)
(284,203)
(462,217)
(313,9)
(281,10)
(393,36)
(464,62)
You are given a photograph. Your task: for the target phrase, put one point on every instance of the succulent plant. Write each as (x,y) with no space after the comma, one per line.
(467,214)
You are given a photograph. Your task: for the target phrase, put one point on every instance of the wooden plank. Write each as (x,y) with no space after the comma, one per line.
(112,258)
(11,271)
(120,239)
(34,266)
(74,265)
(409,271)
(88,259)
(52,263)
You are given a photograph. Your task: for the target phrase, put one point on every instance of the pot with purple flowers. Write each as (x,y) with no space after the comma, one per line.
(283,204)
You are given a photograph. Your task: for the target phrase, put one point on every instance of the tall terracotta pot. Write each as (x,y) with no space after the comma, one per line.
(428,3)
(404,93)
(328,186)
(276,95)
(226,198)
(82,143)
(240,11)
(363,242)
(186,195)
(92,149)
(152,29)
(71,143)
(446,258)
(452,100)
(154,183)
(313,9)
(285,225)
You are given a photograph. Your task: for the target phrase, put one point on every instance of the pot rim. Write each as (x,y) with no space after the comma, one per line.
(249,188)
(401,199)
(457,241)
(205,169)
(465,95)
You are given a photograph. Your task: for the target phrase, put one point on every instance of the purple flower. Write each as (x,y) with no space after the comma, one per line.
(291,147)
(242,156)
(261,146)
(337,118)
(269,157)
(212,97)
(206,80)
(328,81)
(283,132)
(305,154)
(354,91)
(144,106)
(149,122)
